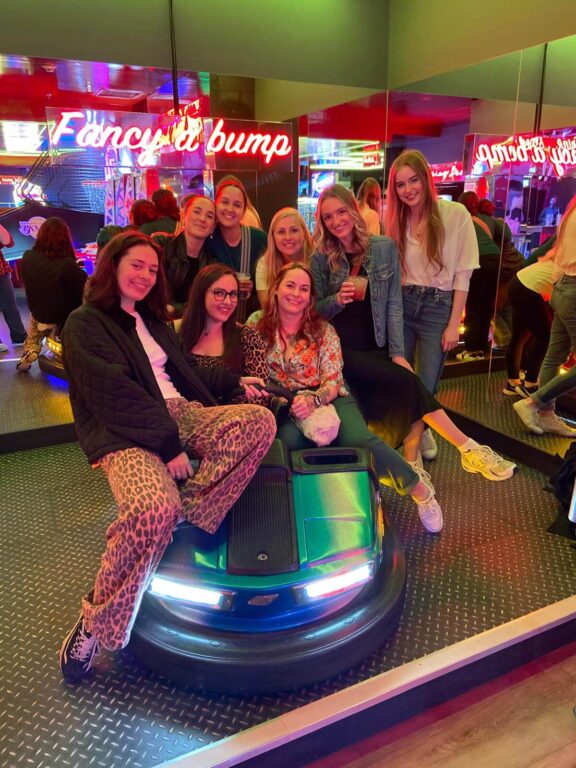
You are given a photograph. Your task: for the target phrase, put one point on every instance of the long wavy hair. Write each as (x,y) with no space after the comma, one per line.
(54,239)
(397,212)
(195,316)
(102,289)
(370,194)
(273,259)
(328,244)
(312,326)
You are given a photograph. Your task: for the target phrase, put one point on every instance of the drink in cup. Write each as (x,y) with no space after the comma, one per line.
(244,284)
(360,284)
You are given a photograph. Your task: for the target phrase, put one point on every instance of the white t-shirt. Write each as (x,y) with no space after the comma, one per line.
(261,275)
(459,254)
(157,358)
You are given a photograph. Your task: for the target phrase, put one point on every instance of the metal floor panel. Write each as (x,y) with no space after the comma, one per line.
(493,562)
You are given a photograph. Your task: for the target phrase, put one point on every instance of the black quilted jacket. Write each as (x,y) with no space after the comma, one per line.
(53,286)
(115,398)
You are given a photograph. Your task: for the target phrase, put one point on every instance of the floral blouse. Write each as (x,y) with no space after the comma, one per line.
(311,365)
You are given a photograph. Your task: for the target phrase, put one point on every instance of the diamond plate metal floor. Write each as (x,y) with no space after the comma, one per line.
(494,562)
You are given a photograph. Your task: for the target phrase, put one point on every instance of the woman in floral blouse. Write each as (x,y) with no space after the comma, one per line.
(303,354)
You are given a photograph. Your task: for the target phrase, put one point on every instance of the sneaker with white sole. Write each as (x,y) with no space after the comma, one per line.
(486,462)
(528,414)
(428,509)
(77,653)
(553,424)
(526,390)
(428,446)
(466,357)
(3,347)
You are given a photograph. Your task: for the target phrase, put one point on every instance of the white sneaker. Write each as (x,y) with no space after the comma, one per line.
(528,414)
(3,347)
(466,357)
(429,509)
(486,462)
(553,424)
(428,446)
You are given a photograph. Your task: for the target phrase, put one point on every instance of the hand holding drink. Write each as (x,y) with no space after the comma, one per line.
(360,284)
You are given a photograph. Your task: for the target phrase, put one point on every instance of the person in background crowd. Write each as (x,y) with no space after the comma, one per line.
(369,198)
(167,213)
(370,325)
(8,305)
(302,353)
(549,213)
(251,216)
(481,301)
(288,240)
(186,254)
(235,244)
(54,284)
(142,212)
(538,411)
(486,207)
(528,294)
(438,254)
(106,234)
(141,410)
(209,330)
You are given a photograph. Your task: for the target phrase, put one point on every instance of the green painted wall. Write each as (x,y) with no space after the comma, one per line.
(341,42)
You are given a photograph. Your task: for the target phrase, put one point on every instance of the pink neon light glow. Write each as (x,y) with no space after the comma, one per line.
(560,152)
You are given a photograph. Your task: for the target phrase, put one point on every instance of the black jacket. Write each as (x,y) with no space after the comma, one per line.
(115,398)
(177,266)
(53,287)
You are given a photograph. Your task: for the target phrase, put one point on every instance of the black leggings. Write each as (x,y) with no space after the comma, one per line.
(531,323)
(392,398)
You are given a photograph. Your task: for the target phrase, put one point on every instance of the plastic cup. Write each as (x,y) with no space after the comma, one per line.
(360,284)
(244,284)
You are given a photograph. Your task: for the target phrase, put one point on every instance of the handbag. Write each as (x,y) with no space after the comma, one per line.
(322,426)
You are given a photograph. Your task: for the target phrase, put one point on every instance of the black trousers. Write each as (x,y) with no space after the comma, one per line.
(531,323)
(480,306)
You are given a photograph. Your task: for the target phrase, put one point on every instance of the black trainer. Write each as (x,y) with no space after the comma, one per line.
(77,652)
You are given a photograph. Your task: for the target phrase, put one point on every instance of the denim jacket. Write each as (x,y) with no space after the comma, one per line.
(383,270)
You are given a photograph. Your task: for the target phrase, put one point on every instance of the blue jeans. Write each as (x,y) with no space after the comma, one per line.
(426,315)
(562,341)
(9,308)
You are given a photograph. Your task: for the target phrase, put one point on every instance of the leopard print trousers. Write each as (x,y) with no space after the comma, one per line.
(231,442)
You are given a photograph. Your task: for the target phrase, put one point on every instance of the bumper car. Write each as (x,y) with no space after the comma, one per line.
(50,358)
(303,580)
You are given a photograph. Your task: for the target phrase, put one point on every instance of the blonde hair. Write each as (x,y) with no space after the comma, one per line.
(328,244)
(397,211)
(273,259)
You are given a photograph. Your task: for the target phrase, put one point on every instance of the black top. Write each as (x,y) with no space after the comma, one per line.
(181,270)
(354,324)
(54,287)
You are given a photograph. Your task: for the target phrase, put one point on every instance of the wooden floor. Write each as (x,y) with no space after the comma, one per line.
(525,719)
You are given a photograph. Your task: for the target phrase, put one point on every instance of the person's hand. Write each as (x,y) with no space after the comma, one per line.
(252,392)
(180,468)
(171,309)
(302,406)
(245,288)
(450,338)
(402,362)
(346,293)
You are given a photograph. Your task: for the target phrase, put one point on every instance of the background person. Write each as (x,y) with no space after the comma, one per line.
(438,253)
(369,198)
(54,284)
(288,240)
(8,305)
(140,410)
(167,213)
(142,212)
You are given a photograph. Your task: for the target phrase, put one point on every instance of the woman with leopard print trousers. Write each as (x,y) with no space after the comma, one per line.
(139,409)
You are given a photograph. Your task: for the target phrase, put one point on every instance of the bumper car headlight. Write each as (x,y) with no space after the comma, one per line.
(188,593)
(337,584)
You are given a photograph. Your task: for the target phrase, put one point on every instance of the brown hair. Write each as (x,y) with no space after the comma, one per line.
(397,211)
(166,203)
(312,326)
(369,193)
(330,245)
(195,316)
(272,257)
(142,212)
(54,239)
(103,289)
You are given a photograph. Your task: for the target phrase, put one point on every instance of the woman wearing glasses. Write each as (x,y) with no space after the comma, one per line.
(209,328)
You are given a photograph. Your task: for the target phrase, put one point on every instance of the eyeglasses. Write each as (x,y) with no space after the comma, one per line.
(220,294)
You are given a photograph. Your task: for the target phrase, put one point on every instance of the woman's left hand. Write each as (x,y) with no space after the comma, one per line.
(450,338)
(252,392)
(302,406)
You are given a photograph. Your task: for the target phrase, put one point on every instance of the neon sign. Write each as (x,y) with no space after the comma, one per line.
(446,172)
(147,137)
(557,151)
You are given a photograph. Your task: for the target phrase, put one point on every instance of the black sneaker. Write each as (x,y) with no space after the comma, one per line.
(77,652)
(511,389)
(526,391)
